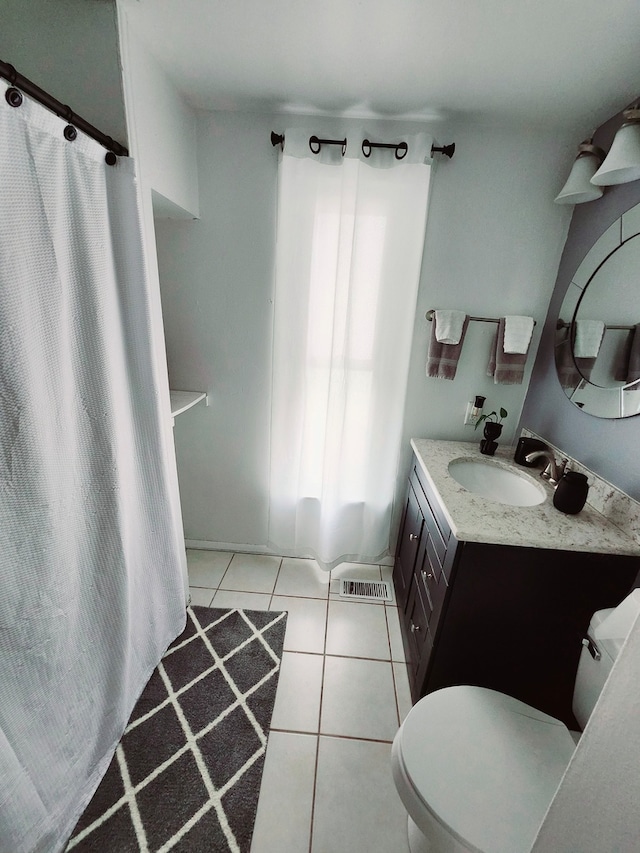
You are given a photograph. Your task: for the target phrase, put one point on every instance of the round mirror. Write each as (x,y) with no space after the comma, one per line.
(597,340)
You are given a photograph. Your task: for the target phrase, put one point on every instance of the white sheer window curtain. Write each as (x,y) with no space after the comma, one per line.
(350,238)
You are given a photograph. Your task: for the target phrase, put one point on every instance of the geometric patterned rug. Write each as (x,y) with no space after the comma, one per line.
(186,774)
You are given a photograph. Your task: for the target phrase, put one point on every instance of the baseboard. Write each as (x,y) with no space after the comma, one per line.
(207,545)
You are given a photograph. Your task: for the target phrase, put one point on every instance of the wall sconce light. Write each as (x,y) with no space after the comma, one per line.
(579,186)
(622,163)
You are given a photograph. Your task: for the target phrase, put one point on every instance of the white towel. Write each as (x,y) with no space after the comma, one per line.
(449,326)
(517,334)
(588,338)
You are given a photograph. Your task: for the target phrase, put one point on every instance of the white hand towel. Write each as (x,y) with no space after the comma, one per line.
(588,338)
(517,334)
(449,326)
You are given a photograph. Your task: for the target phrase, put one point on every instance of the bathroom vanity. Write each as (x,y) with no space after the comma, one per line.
(496,595)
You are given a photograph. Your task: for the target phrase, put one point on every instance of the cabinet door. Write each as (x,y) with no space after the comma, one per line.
(434,583)
(407,550)
(419,642)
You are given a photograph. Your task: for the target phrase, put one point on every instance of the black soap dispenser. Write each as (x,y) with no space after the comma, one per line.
(570,494)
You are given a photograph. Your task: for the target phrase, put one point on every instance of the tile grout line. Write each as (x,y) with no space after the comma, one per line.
(334,735)
(393,671)
(315,770)
(275,583)
(327,599)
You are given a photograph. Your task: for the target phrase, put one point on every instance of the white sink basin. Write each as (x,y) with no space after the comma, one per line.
(496,483)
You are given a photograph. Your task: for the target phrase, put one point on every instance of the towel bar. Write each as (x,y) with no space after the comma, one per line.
(431,314)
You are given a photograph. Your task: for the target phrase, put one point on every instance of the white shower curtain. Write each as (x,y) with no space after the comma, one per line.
(350,238)
(90,578)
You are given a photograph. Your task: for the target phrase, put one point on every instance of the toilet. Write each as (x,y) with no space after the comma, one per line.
(476,769)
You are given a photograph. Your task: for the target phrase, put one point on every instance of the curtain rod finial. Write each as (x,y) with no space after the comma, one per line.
(447,150)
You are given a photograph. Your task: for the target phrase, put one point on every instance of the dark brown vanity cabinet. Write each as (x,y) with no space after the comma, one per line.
(505,617)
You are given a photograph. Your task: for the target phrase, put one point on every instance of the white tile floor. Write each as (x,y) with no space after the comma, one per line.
(343,690)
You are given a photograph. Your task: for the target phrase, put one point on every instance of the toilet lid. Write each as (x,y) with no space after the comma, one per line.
(485,765)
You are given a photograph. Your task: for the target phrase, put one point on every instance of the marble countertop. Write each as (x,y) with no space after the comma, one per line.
(478,519)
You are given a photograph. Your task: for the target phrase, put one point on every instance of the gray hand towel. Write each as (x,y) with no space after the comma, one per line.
(506,368)
(571,371)
(442,359)
(633,370)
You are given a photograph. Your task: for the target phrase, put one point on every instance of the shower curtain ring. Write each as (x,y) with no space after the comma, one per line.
(13,97)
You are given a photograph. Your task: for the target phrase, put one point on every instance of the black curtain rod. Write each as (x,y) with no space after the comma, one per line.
(401,148)
(22,84)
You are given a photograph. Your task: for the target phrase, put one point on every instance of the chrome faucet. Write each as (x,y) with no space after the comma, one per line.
(554,470)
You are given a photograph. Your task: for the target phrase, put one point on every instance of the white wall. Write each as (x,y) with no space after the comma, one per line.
(217,281)
(596,806)
(494,238)
(161,124)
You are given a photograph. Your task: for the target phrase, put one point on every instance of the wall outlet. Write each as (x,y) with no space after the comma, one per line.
(472,415)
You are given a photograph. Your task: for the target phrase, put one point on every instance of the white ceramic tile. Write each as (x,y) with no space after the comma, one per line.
(242,600)
(283,820)
(251,573)
(403,691)
(358,699)
(357,808)
(358,571)
(206,568)
(302,577)
(297,706)
(357,630)
(201,597)
(395,636)
(306,623)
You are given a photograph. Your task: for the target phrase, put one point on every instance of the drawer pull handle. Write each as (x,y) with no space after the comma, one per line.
(414,628)
(425,576)
(413,536)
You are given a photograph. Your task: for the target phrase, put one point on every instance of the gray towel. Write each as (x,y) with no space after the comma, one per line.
(442,359)
(505,368)
(633,369)
(571,371)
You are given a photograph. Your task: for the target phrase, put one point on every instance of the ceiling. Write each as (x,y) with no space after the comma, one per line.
(573,62)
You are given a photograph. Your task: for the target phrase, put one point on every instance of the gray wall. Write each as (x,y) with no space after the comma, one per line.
(608,447)
(70,49)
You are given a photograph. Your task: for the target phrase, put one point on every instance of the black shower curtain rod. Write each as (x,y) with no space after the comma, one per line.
(401,148)
(21,84)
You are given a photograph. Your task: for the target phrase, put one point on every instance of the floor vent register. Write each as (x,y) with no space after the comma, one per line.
(366,590)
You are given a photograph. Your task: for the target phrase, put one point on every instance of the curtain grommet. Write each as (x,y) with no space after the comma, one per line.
(70,133)
(13,97)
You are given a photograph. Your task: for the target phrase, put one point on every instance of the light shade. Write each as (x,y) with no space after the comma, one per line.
(578,187)
(622,163)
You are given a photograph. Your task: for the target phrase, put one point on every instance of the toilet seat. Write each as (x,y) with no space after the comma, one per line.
(484,765)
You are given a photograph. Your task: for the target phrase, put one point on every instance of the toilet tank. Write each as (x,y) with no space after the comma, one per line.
(608,630)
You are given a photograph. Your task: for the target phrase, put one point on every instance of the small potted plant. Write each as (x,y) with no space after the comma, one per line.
(492,430)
